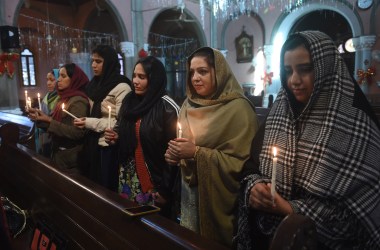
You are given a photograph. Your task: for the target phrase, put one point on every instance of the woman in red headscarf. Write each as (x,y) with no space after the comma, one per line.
(67,140)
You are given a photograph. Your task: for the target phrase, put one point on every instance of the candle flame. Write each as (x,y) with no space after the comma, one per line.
(38,95)
(179,126)
(26,92)
(63,106)
(274,151)
(109,108)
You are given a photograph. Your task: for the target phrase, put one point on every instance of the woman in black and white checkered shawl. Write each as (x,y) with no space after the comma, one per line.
(328,158)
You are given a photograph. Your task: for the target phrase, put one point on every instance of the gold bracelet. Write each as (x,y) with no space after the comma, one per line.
(196,151)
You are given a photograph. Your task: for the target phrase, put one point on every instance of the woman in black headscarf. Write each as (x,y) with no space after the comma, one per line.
(147,122)
(106,91)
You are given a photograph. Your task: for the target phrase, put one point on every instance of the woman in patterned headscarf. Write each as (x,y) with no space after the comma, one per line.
(67,140)
(218,124)
(328,143)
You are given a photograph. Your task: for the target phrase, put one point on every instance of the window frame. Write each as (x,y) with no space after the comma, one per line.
(30,78)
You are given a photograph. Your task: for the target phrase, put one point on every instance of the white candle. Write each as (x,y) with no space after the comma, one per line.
(67,112)
(26,98)
(179,130)
(29,103)
(273,186)
(39,100)
(109,116)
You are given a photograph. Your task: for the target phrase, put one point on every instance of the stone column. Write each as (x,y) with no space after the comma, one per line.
(137,20)
(363,46)
(275,86)
(214,31)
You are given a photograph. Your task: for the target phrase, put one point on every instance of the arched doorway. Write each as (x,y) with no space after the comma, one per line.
(56,34)
(340,32)
(174,34)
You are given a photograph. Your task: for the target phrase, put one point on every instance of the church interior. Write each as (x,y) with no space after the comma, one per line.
(40,35)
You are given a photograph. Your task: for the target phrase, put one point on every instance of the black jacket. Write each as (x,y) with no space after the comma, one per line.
(158,127)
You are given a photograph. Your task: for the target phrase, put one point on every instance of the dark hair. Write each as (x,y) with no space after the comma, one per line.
(110,57)
(70,67)
(291,43)
(207,53)
(104,50)
(152,67)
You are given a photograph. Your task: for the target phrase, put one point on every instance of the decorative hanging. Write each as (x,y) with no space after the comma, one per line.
(166,46)
(365,76)
(267,78)
(233,9)
(6,63)
(142,53)
(57,42)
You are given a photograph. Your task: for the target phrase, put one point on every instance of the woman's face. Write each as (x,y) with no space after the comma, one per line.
(97,64)
(140,80)
(63,80)
(202,77)
(299,73)
(50,82)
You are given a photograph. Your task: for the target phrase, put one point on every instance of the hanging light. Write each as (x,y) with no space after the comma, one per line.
(349,45)
(48,37)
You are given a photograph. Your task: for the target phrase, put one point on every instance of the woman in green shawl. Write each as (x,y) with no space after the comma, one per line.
(42,137)
(217,123)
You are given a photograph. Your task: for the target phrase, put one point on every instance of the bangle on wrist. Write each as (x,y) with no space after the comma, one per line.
(196,151)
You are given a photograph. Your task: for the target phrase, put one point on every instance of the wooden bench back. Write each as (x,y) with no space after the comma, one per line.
(25,126)
(90,216)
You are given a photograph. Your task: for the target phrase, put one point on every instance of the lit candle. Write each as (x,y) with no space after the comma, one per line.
(67,112)
(26,98)
(109,116)
(39,100)
(273,186)
(179,130)
(29,103)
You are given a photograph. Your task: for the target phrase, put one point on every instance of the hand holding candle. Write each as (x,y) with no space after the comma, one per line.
(39,101)
(26,99)
(67,112)
(28,103)
(273,183)
(109,116)
(179,130)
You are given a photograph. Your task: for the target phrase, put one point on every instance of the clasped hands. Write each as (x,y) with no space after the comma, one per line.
(260,198)
(110,136)
(179,148)
(37,115)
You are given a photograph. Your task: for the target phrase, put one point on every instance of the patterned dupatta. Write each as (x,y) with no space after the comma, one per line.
(329,154)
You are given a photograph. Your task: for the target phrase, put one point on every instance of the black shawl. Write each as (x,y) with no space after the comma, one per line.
(97,90)
(136,106)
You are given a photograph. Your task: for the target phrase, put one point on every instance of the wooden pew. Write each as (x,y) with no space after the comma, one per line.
(88,215)
(25,126)
(261,114)
(92,217)
(376,109)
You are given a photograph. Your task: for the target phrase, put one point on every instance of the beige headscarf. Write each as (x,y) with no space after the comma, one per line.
(223,128)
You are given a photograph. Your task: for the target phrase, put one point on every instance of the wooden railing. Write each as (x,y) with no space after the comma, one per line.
(25,127)
(88,215)
(92,217)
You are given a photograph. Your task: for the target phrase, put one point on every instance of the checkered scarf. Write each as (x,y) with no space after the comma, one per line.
(329,156)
